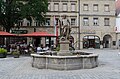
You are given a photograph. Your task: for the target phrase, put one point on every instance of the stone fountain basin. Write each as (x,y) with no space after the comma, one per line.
(64,62)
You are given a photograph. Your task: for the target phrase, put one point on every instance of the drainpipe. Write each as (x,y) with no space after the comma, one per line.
(79,25)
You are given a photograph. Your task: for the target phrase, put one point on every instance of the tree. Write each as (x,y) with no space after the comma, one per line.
(11,11)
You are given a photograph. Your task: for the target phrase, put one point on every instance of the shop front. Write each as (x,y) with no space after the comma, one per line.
(18,38)
(91,42)
(40,38)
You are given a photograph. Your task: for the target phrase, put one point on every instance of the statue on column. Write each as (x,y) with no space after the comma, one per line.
(65,27)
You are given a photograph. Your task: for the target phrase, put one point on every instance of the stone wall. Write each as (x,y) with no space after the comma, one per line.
(64,62)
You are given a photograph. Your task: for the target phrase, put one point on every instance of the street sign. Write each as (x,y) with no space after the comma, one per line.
(19,31)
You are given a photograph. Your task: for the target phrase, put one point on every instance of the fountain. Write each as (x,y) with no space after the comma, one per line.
(65,59)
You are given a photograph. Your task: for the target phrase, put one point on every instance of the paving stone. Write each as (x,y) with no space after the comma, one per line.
(20,68)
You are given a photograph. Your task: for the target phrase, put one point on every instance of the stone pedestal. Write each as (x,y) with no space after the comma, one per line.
(64,48)
(64,62)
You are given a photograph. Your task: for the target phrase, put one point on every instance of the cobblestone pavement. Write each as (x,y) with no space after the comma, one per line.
(20,68)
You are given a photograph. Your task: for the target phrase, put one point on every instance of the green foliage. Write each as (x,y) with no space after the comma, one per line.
(35,9)
(13,10)
(57,48)
(16,53)
(3,51)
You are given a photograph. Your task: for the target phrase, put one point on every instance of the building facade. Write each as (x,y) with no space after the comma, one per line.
(92,22)
(58,8)
(97,23)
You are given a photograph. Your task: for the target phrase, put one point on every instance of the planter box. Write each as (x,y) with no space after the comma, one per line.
(2,55)
(16,56)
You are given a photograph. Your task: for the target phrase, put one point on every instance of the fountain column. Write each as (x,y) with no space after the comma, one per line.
(64,47)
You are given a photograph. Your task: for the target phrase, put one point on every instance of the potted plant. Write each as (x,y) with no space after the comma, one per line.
(57,48)
(16,54)
(3,53)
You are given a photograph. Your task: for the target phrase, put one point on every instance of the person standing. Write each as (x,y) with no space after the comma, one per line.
(39,49)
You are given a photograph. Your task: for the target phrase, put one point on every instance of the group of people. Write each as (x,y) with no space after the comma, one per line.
(28,49)
(41,49)
(23,48)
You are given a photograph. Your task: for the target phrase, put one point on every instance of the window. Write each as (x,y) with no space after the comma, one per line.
(73,7)
(106,21)
(56,6)
(49,7)
(47,23)
(64,6)
(119,42)
(73,21)
(114,43)
(85,21)
(20,23)
(85,7)
(56,21)
(95,21)
(37,23)
(95,7)
(106,7)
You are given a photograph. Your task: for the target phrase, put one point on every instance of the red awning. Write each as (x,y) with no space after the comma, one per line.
(2,33)
(41,34)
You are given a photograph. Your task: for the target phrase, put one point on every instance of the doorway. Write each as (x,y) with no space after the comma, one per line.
(37,41)
(91,43)
(107,41)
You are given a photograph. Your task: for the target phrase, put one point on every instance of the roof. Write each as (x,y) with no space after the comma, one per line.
(41,34)
(2,33)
